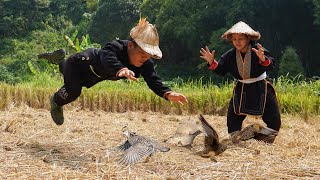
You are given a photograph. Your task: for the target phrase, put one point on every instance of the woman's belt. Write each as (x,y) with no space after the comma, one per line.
(252,80)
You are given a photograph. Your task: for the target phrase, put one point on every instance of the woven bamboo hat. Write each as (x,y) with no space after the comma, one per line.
(241,28)
(146,36)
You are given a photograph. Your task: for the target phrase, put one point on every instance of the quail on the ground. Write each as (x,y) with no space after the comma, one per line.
(184,135)
(136,148)
(256,131)
(211,140)
(264,134)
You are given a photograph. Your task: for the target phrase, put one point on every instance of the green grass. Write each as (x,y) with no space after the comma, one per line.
(295,96)
(298,96)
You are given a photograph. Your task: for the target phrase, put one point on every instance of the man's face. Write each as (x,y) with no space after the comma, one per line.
(240,42)
(137,56)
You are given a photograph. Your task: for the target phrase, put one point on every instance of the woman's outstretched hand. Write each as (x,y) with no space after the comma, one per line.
(260,52)
(207,55)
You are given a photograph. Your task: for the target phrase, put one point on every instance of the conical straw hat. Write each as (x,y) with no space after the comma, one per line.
(146,36)
(241,28)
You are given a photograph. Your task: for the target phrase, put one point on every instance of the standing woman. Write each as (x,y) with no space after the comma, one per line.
(248,62)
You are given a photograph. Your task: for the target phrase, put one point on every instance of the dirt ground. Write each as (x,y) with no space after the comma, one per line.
(33,147)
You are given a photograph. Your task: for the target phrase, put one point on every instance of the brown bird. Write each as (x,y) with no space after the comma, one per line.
(264,134)
(211,140)
(184,135)
(138,147)
(256,131)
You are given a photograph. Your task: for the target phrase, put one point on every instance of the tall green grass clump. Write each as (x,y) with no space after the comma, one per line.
(298,96)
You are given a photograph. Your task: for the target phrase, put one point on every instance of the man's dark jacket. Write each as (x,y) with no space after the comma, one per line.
(104,64)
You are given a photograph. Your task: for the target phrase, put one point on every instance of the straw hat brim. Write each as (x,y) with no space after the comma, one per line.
(241,28)
(253,36)
(154,51)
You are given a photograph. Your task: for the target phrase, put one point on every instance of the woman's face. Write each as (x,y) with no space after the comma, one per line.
(137,56)
(240,42)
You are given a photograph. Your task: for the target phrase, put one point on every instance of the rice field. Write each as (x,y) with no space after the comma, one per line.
(33,147)
(296,97)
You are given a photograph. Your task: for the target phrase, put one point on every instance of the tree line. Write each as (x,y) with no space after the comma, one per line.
(290,30)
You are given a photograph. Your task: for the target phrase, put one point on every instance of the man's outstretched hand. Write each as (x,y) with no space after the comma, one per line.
(127,73)
(176,97)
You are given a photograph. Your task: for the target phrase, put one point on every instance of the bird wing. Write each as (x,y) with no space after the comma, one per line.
(194,132)
(135,153)
(126,145)
(212,139)
(208,130)
(150,142)
(246,133)
(268,131)
(208,141)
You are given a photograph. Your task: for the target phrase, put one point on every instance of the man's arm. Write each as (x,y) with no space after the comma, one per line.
(156,85)
(109,58)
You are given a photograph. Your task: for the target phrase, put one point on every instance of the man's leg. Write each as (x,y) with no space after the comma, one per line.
(69,92)
(53,57)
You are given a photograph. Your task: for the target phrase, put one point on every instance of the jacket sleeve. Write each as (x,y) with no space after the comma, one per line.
(270,62)
(153,81)
(110,62)
(223,65)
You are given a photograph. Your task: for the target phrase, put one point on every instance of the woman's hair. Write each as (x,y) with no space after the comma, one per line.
(251,38)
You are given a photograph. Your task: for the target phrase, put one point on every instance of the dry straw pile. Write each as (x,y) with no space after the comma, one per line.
(33,147)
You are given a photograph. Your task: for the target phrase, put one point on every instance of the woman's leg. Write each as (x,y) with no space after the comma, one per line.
(271,115)
(234,121)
